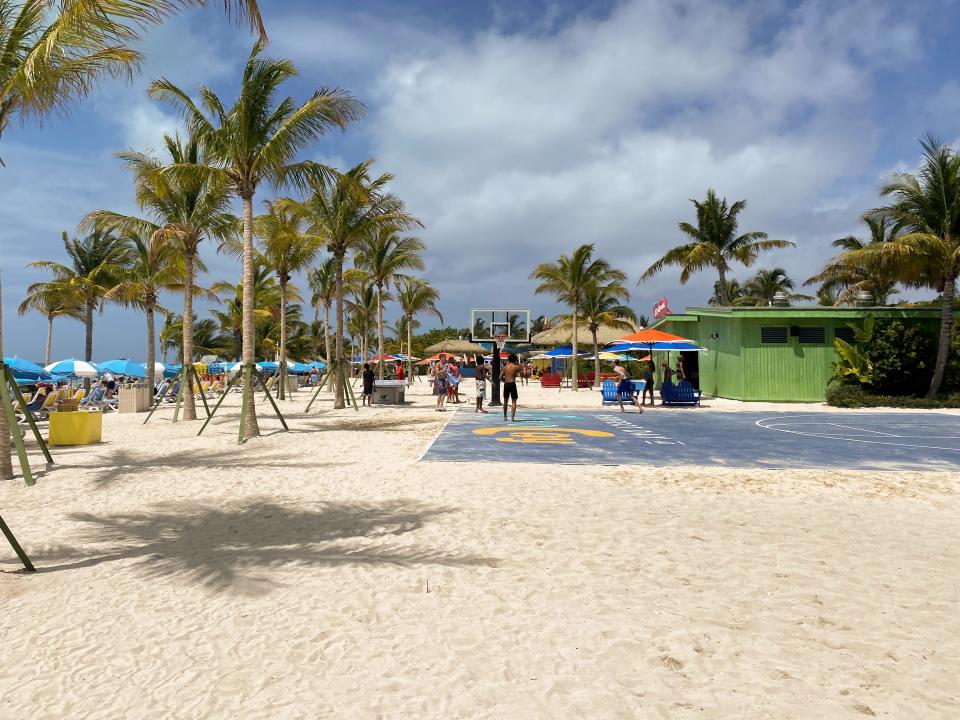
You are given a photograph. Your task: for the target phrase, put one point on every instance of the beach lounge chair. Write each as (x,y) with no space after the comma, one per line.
(680,394)
(97,400)
(583,382)
(610,396)
(550,380)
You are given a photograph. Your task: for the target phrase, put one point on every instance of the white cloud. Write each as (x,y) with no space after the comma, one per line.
(515,148)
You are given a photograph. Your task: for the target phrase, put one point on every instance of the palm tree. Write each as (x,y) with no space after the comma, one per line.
(385,255)
(345,213)
(849,273)
(182,210)
(765,284)
(154,267)
(602,306)
(361,303)
(415,297)
(265,296)
(53,51)
(286,249)
(97,263)
(715,243)
(568,280)
(925,251)
(734,291)
(51,302)
(6,465)
(323,284)
(539,324)
(257,140)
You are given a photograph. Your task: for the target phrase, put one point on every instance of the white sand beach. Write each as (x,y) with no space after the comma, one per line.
(326,573)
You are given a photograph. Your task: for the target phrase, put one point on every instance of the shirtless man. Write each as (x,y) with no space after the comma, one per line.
(509,374)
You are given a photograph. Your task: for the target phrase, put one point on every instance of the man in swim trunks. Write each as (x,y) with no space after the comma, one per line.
(368,378)
(625,386)
(509,374)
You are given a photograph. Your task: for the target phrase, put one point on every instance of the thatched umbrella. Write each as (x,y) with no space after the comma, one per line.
(562,334)
(458,347)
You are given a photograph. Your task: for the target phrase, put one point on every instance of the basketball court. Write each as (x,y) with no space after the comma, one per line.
(668,437)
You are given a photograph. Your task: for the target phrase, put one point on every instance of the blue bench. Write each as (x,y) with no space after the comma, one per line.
(610,396)
(680,394)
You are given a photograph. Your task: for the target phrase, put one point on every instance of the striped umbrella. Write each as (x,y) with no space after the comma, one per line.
(73,368)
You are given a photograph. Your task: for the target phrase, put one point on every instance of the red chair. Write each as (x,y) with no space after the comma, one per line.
(582,382)
(550,380)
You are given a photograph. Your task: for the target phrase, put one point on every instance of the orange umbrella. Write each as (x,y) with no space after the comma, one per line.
(647,336)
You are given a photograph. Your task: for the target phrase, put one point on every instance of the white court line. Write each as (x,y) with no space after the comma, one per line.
(759,424)
(439,433)
(876,432)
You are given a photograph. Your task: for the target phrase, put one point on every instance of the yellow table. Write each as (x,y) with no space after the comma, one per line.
(75,428)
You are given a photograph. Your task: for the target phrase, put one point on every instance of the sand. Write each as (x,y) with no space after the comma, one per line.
(325,573)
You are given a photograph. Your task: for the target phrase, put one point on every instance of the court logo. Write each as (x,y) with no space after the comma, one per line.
(541,436)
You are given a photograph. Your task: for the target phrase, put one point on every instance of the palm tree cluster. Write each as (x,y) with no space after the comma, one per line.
(228,152)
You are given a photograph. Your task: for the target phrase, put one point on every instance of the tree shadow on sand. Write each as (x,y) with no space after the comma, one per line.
(365,424)
(126,464)
(230,548)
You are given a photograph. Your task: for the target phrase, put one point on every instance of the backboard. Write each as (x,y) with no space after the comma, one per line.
(486,323)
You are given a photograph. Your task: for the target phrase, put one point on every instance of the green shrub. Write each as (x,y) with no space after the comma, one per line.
(846,395)
(902,357)
(854,396)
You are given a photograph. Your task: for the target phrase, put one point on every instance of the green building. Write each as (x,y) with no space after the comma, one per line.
(773,353)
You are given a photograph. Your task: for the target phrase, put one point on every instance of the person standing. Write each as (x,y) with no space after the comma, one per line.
(438,374)
(110,382)
(481,387)
(625,386)
(648,371)
(509,374)
(367,384)
(400,373)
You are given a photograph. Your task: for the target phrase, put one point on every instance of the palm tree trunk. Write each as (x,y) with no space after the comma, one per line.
(596,358)
(409,348)
(380,347)
(326,341)
(338,398)
(189,402)
(49,351)
(251,428)
(283,339)
(151,349)
(88,341)
(6,465)
(722,291)
(573,377)
(946,332)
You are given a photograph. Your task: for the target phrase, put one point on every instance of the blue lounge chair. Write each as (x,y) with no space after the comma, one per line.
(680,394)
(610,396)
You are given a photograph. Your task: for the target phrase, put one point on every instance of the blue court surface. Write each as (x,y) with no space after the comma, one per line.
(661,437)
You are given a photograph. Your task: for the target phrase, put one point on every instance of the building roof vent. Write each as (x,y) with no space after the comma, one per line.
(780,299)
(864,298)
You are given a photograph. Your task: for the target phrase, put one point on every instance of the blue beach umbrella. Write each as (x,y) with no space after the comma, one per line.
(123,366)
(564,351)
(73,368)
(318,364)
(26,371)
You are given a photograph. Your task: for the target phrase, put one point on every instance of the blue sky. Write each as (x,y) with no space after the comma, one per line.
(518,130)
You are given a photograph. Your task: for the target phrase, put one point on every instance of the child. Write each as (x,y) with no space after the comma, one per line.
(367,384)
(481,388)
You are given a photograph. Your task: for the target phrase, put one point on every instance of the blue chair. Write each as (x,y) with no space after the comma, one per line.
(680,394)
(610,396)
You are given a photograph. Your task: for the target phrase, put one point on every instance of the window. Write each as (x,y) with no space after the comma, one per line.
(844,333)
(812,335)
(773,335)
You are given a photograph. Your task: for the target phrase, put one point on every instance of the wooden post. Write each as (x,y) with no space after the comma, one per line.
(14,428)
(16,546)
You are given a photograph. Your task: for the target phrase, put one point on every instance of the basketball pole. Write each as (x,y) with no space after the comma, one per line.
(495,371)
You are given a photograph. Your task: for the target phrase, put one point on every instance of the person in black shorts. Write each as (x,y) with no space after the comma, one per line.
(509,374)
(367,384)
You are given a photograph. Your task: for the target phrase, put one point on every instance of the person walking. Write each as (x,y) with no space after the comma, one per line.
(625,386)
(508,373)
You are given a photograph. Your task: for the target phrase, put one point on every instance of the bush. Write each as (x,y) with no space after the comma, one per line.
(903,358)
(854,396)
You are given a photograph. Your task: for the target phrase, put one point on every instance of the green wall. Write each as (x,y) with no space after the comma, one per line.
(738,366)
